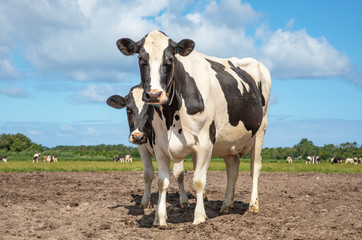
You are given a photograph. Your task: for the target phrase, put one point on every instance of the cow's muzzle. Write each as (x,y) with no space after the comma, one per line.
(137,138)
(153,97)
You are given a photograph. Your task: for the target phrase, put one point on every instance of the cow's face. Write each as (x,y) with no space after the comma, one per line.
(138,114)
(156,53)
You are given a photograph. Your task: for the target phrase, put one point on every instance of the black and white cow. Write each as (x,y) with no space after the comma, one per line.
(336,160)
(4,159)
(36,157)
(139,115)
(205,106)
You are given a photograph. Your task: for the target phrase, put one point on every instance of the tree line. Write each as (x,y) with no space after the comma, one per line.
(20,144)
(306,148)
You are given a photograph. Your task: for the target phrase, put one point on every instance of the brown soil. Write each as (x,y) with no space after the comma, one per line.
(92,205)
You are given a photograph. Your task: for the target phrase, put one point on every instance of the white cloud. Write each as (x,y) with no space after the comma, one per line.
(94,94)
(14,91)
(66,128)
(77,39)
(7,70)
(295,54)
(91,131)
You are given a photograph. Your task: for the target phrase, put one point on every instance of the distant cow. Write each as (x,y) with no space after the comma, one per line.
(54,159)
(4,159)
(289,160)
(128,158)
(36,157)
(317,160)
(47,158)
(336,160)
(360,160)
(309,160)
(349,160)
(119,158)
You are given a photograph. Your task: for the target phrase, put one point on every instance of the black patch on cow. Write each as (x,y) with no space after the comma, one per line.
(186,86)
(261,94)
(143,58)
(180,131)
(245,107)
(185,89)
(177,117)
(212,132)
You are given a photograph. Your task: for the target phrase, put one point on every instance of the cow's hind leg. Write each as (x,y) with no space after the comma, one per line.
(232,170)
(178,173)
(255,166)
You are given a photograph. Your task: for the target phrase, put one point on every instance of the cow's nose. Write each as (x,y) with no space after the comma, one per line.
(138,138)
(153,96)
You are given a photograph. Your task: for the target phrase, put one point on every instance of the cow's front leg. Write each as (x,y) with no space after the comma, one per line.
(148,173)
(202,164)
(178,173)
(162,183)
(232,170)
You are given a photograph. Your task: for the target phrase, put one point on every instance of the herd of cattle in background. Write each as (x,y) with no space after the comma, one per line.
(317,160)
(46,158)
(128,158)
(53,158)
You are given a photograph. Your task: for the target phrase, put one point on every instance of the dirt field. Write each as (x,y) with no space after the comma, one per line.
(94,205)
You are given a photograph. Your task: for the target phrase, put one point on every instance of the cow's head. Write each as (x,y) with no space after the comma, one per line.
(139,114)
(156,53)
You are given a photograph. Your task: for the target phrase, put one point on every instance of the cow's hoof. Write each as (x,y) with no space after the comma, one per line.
(157,224)
(145,204)
(200,219)
(254,208)
(226,209)
(185,205)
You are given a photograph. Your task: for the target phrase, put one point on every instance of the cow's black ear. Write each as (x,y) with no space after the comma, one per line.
(185,47)
(116,101)
(127,46)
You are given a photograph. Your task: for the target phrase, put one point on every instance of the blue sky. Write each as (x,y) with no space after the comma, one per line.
(59,63)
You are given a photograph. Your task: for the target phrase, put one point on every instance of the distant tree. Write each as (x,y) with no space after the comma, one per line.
(18,143)
(305,148)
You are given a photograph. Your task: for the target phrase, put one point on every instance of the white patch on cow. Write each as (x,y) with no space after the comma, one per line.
(137,94)
(155,44)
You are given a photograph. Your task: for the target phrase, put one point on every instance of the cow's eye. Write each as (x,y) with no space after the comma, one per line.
(129,111)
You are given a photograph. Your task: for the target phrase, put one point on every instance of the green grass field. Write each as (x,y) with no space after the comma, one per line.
(76,165)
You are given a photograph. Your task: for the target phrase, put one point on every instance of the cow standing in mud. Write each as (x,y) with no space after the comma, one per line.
(205,106)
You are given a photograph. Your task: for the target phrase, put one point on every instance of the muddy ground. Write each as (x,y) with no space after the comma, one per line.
(93,205)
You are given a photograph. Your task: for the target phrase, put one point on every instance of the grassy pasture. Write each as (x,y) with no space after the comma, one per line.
(106,165)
